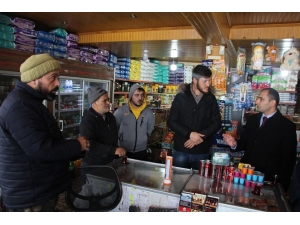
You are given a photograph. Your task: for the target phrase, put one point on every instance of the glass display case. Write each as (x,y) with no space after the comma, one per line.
(72,101)
(7,84)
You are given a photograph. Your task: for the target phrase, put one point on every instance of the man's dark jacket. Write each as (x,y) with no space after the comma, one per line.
(187,116)
(34,157)
(270,149)
(103,137)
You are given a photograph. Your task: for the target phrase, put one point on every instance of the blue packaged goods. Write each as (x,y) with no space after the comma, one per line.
(44,44)
(59,54)
(123,59)
(40,50)
(45,36)
(112,58)
(61,48)
(60,40)
(23,23)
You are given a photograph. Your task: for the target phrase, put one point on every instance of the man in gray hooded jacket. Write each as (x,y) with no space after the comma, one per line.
(135,122)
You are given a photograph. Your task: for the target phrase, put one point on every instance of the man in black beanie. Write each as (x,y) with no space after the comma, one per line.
(34,156)
(99,126)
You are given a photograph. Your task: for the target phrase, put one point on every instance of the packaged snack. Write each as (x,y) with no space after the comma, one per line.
(257,55)
(5,19)
(72,44)
(60,40)
(19,22)
(60,32)
(241,60)
(61,48)
(59,54)
(72,37)
(6,36)
(40,50)
(73,51)
(24,40)
(44,44)
(98,57)
(6,44)
(6,29)
(25,48)
(24,31)
(45,36)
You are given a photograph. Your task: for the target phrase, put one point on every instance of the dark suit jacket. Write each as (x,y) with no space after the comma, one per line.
(270,149)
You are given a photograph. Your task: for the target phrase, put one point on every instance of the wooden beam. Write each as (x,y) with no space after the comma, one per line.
(183,33)
(274,31)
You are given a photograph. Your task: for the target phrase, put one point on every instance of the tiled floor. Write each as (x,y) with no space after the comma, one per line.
(61,204)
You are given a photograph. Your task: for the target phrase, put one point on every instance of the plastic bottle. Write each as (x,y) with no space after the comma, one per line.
(168,170)
(70,85)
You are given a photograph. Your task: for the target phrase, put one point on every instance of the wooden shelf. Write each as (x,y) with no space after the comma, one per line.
(141,81)
(292,92)
(287,103)
(147,93)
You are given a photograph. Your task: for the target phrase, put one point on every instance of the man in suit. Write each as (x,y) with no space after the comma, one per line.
(269,140)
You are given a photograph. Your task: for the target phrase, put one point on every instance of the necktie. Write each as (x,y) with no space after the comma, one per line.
(264,121)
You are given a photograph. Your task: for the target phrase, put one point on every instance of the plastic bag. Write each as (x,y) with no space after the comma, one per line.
(241,60)
(257,59)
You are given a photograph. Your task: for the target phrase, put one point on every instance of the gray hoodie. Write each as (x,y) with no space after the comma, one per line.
(133,133)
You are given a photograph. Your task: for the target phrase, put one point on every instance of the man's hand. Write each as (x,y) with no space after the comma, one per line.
(229,140)
(196,138)
(120,152)
(189,144)
(85,144)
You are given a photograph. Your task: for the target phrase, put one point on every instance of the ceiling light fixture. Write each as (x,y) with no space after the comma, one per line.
(173,66)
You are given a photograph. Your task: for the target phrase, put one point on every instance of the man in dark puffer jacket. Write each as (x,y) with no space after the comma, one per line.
(34,157)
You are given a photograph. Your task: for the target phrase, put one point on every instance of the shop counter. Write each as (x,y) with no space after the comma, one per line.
(142,184)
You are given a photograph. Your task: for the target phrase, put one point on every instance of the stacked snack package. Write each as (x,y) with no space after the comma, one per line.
(156,70)
(6,32)
(218,78)
(101,57)
(112,60)
(179,73)
(87,54)
(59,43)
(123,68)
(159,70)
(44,42)
(135,70)
(17,33)
(188,74)
(73,52)
(147,70)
